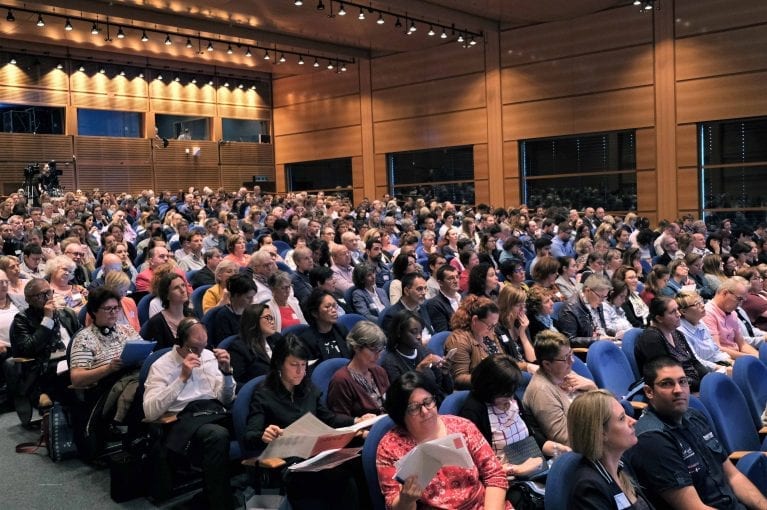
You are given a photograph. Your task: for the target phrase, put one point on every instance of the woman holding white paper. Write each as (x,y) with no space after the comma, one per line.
(412,405)
(285,396)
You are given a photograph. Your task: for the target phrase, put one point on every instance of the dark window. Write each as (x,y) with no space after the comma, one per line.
(588,170)
(733,170)
(41,120)
(108,123)
(184,126)
(434,174)
(242,130)
(328,175)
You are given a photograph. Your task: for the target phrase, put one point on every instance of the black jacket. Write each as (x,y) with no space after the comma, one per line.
(202,277)
(396,308)
(652,344)
(322,347)
(31,340)
(439,311)
(246,363)
(575,322)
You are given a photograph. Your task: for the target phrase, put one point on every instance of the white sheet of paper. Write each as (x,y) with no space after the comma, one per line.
(427,458)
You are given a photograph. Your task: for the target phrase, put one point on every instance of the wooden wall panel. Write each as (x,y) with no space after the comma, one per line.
(243,112)
(33,71)
(452,94)
(314,86)
(171,177)
(721,53)
(176,155)
(608,111)
(647,191)
(607,70)
(357,173)
(317,115)
(246,153)
(725,97)
(687,145)
(119,177)
(687,188)
(244,97)
(172,107)
(26,148)
(446,130)
(110,102)
(381,171)
(482,192)
(481,161)
(511,159)
(326,144)
(645,149)
(614,28)
(108,84)
(173,91)
(97,150)
(705,16)
(511,192)
(23,96)
(427,65)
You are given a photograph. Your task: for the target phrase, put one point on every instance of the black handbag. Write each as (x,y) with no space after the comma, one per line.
(61,436)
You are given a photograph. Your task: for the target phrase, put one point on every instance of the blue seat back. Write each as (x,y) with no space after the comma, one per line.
(628,343)
(369,450)
(695,403)
(580,368)
(144,372)
(454,402)
(350,319)
(386,287)
(348,297)
(189,274)
(196,299)
(754,466)
(763,353)
(382,315)
(520,393)
(437,341)
(610,367)
(729,412)
(560,481)
(240,411)
(81,316)
(557,308)
(226,342)
(284,267)
(323,373)
(295,330)
(282,247)
(143,308)
(750,375)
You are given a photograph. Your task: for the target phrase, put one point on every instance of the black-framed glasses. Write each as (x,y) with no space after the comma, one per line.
(668,384)
(268,318)
(109,309)
(568,357)
(43,295)
(427,403)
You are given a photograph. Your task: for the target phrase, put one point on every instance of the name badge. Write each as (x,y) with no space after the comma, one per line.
(708,436)
(505,339)
(621,501)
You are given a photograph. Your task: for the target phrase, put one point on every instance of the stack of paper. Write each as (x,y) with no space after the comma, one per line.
(427,458)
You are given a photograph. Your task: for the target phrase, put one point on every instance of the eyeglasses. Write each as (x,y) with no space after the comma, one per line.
(43,295)
(668,384)
(375,349)
(268,318)
(699,303)
(739,298)
(568,358)
(489,326)
(428,403)
(600,296)
(5,282)
(109,309)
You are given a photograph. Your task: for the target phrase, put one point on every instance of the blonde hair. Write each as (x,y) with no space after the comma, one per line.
(117,281)
(587,420)
(59,262)
(509,298)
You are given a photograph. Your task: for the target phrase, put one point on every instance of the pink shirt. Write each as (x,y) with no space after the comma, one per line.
(724,328)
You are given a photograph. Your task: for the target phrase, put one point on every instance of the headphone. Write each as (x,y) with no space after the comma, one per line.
(106,330)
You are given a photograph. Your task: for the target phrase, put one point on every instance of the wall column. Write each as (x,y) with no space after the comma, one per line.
(665,112)
(494,109)
(366,126)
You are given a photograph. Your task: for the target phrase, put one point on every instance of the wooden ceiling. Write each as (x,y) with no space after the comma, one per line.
(242,24)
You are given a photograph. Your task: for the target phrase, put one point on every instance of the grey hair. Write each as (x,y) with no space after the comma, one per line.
(366,334)
(597,282)
(279,278)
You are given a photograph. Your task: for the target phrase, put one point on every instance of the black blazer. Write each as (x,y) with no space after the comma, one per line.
(575,322)
(248,364)
(652,344)
(439,311)
(594,489)
(322,350)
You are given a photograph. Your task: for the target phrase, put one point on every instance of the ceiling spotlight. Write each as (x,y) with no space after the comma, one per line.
(120,33)
(380,19)
(460,37)
(341,10)
(210,82)
(431,31)
(443,35)
(12,61)
(168,42)
(188,42)
(10,17)
(122,72)
(398,23)
(144,37)
(343,67)
(252,87)
(229,50)
(330,64)
(159,77)
(300,60)
(412,27)
(102,70)
(226,84)
(141,75)
(59,66)
(210,46)
(282,58)
(194,81)
(95,30)
(320,6)
(362,15)
(472,42)
(177,79)
(40,21)
(81,68)
(298,3)
(68,25)
(240,86)
(247,52)
(316,63)
(266,54)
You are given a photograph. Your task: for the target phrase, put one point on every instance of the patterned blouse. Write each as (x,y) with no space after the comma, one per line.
(452,487)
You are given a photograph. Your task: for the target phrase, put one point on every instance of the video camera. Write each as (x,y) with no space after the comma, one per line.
(31,170)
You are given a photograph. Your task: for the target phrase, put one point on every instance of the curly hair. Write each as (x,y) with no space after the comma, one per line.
(536,296)
(471,306)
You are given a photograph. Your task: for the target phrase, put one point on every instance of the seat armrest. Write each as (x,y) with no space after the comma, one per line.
(640,406)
